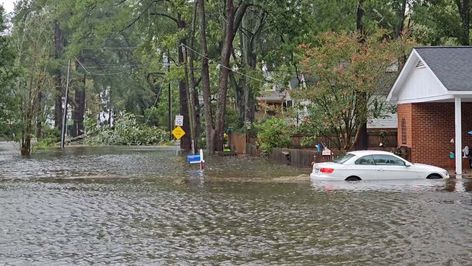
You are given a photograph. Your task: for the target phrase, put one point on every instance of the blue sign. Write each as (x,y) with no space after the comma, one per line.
(194,158)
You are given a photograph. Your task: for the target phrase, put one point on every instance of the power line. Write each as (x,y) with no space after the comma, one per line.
(123,65)
(232,70)
(182,45)
(97,74)
(110,48)
(86,70)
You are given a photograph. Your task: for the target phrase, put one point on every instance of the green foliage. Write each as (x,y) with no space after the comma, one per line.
(50,137)
(273,133)
(308,141)
(232,120)
(436,22)
(126,131)
(121,45)
(9,102)
(349,73)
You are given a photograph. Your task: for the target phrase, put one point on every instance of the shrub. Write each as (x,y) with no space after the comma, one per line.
(273,133)
(50,137)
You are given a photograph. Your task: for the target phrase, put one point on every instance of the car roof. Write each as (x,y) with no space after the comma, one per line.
(369,152)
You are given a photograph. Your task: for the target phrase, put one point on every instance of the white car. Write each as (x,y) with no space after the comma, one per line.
(374,165)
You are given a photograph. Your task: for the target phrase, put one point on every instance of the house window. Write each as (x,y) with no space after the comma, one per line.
(403,126)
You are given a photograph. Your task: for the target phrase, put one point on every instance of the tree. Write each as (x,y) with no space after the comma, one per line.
(250,35)
(8,100)
(464,13)
(440,22)
(347,73)
(205,74)
(32,46)
(234,15)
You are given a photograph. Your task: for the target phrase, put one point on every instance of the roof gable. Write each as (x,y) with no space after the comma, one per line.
(434,74)
(420,85)
(452,65)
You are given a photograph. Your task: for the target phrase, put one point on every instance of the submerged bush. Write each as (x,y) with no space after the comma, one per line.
(126,131)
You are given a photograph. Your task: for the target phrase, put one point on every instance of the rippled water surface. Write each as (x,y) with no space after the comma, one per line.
(146,206)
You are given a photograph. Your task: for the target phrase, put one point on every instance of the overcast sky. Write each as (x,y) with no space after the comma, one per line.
(8,5)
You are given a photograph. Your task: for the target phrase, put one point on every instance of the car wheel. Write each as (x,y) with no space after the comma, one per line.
(434,176)
(353,178)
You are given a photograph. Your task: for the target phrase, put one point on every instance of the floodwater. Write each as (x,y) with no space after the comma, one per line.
(127,205)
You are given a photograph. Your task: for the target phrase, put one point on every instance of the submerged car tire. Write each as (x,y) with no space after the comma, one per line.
(353,178)
(434,176)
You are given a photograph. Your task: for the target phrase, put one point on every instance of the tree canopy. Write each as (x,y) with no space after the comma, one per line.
(206,60)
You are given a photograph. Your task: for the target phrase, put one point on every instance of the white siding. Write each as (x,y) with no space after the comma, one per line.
(420,85)
(388,122)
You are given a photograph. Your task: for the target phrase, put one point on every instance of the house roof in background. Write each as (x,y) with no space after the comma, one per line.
(272,96)
(451,65)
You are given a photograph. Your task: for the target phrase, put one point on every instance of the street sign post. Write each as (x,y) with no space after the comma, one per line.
(178,132)
(179,120)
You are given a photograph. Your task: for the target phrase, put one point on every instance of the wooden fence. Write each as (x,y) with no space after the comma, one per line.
(303,157)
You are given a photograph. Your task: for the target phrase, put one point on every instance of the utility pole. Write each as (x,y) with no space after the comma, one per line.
(169,97)
(190,103)
(64,115)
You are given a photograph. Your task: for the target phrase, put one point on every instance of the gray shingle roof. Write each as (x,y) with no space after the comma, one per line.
(452,65)
(272,96)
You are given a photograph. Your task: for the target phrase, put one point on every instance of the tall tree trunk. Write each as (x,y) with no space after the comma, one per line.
(361,139)
(239,96)
(224,75)
(242,88)
(39,124)
(28,116)
(464,12)
(360,17)
(185,141)
(198,121)
(58,48)
(233,20)
(248,44)
(400,18)
(79,109)
(193,92)
(26,141)
(209,128)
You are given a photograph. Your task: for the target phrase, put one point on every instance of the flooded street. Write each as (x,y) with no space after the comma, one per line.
(128,205)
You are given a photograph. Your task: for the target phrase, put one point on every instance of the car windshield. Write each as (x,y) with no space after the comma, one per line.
(344,158)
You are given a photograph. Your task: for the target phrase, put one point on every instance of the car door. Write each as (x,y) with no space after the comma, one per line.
(364,167)
(391,167)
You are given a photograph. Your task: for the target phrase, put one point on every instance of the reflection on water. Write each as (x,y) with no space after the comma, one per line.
(146,206)
(450,185)
(128,162)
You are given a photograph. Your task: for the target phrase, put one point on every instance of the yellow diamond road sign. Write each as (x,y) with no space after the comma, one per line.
(178,132)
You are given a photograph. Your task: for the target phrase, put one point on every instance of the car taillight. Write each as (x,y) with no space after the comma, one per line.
(327,170)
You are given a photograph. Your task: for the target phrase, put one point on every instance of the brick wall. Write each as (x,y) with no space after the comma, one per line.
(429,129)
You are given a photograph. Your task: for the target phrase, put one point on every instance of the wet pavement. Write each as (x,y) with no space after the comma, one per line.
(128,205)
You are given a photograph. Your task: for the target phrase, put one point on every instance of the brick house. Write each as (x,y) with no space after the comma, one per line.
(433,93)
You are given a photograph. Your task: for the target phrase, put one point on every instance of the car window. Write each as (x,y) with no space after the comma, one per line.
(344,158)
(365,160)
(380,159)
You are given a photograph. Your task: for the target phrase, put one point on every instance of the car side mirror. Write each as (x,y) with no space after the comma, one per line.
(408,164)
